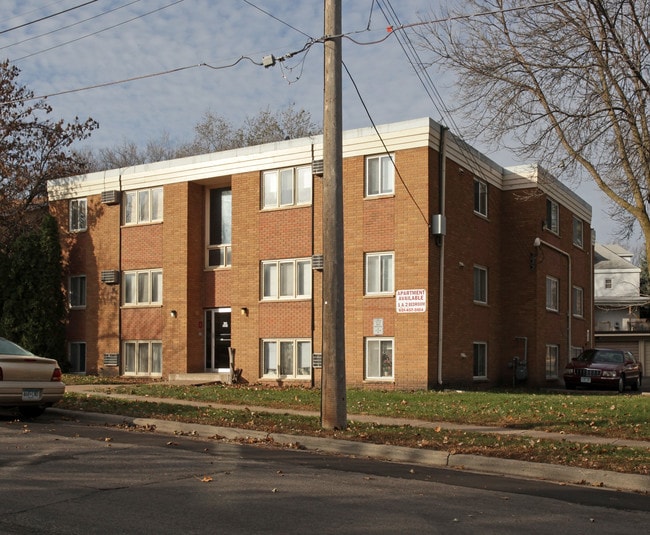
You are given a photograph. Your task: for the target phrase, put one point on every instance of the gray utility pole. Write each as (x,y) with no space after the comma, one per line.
(333,391)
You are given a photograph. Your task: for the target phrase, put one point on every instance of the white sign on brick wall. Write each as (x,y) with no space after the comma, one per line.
(408,301)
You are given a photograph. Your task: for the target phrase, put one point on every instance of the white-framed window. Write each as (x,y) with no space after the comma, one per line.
(552,359)
(380,175)
(286,279)
(219,228)
(286,358)
(286,187)
(379,361)
(78,215)
(480,285)
(577,232)
(142,357)
(552,294)
(78,357)
(552,216)
(480,197)
(142,287)
(143,206)
(77,291)
(577,303)
(480,360)
(380,273)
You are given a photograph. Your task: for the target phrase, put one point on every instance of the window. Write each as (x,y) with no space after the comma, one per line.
(379,273)
(608,284)
(480,197)
(143,206)
(142,357)
(286,359)
(78,215)
(142,288)
(77,291)
(480,360)
(379,358)
(219,228)
(480,285)
(552,357)
(552,294)
(286,187)
(552,216)
(380,175)
(577,302)
(286,279)
(577,232)
(78,357)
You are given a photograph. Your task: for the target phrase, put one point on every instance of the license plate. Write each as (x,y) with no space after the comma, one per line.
(585,379)
(32,394)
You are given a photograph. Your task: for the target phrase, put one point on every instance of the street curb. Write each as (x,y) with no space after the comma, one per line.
(401,454)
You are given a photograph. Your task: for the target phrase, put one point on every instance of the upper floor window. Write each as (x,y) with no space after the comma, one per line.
(78,215)
(552,216)
(77,291)
(552,294)
(286,279)
(380,175)
(480,197)
(286,187)
(480,285)
(577,232)
(577,302)
(143,287)
(143,206)
(380,277)
(219,228)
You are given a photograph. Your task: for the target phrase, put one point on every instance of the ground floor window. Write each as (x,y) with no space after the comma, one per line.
(552,354)
(379,358)
(78,357)
(286,359)
(142,357)
(480,360)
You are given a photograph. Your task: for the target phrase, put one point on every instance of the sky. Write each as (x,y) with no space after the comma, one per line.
(76,51)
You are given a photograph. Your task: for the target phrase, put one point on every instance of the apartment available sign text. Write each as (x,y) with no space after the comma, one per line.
(407,301)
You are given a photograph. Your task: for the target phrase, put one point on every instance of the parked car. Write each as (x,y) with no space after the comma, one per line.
(609,368)
(28,382)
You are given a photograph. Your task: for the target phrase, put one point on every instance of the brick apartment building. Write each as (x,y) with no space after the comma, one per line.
(454,265)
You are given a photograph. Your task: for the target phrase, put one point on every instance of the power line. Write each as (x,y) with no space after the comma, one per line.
(46,17)
(70,25)
(98,31)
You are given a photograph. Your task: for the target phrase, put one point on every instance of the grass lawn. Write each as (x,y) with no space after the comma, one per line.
(610,415)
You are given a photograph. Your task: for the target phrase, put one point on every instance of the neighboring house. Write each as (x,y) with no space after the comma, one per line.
(454,265)
(617,302)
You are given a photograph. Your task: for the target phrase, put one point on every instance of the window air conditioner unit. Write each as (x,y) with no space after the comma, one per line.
(317,262)
(111,276)
(317,167)
(111,197)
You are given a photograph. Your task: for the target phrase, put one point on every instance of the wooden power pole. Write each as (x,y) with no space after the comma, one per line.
(333,392)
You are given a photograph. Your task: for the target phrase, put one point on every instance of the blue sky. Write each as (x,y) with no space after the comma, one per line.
(106,41)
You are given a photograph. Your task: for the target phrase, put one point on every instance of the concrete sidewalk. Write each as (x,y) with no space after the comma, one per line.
(492,465)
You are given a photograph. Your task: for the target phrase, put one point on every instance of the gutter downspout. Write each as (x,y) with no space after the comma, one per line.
(440,240)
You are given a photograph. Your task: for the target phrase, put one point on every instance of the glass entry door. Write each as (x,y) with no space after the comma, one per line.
(217,340)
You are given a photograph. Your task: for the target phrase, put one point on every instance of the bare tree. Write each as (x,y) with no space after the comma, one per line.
(215,133)
(566,82)
(33,150)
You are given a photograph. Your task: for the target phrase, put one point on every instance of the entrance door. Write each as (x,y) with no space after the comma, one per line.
(217,340)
